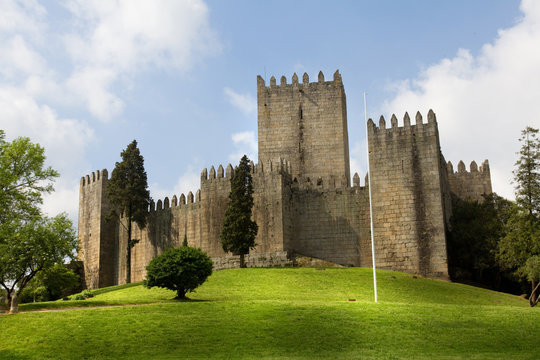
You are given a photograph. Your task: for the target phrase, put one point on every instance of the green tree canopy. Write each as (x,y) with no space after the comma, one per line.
(29,242)
(127,190)
(51,284)
(180,269)
(239,231)
(527,172)
(23,179)
(522,231)
(475,230)
(26,248)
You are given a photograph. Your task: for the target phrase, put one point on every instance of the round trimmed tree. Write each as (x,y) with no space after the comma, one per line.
(180,269)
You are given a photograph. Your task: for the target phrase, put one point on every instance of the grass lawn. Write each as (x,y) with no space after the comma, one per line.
(291,313)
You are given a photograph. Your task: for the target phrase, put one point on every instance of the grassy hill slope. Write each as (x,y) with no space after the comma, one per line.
(300,313)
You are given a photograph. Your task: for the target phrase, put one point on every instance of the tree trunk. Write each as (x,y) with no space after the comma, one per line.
(533,299)
(242,261)
(181,294)
(8,300)
(128,255)
(14,306)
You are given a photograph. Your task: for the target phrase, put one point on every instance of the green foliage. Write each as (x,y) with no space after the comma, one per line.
(522,231)
(87,294)
(527,172)
(521,241)
(239,231)
(476,228)
(532,268)
(180,269)
(51,284)
(32,247)
(78,297)
(184,242)
(127,190)
(29,243)
(23,179)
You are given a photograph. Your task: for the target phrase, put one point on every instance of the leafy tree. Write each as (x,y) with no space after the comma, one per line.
(476,228)
(522,239)
(179,269)
(51,284)
(128,193)
(26,248)
(521,243)
(29,242)
(239,231)
(23,179)
(527,172)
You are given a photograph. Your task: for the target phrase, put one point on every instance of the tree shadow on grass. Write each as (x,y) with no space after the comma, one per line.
(188,300)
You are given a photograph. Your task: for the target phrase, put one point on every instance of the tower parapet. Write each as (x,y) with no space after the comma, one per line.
(407,195)
(306,123)
(472,184)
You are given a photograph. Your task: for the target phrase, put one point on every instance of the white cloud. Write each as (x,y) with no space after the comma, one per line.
(92,85)
(65,142)
(112,40)
(244,102)
(245,144)
(65,198)
(105,46)
(129,34)
(482,102)
(188,181)
(26,16)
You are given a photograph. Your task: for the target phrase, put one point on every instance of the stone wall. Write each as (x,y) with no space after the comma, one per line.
(199,217)
(305,123)
(96,234)
(470,185)
(408,209)
(332,224)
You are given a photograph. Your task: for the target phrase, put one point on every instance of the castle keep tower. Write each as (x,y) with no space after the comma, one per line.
(305,123)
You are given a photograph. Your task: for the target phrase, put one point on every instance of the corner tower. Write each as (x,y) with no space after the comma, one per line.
(306,124)
(98,246)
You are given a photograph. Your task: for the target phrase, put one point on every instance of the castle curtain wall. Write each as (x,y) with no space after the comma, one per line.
(303,201)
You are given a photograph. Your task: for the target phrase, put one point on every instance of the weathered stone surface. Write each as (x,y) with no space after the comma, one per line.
(303,202)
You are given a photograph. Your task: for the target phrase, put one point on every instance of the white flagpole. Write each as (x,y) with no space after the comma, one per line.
(370,204)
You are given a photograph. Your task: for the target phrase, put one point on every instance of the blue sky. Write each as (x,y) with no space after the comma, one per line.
(85,78)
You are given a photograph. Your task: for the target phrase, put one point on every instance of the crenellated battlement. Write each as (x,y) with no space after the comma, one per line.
(472,184)
(261,84)
(473,168)
(280,166)
(419,125)
(183,201)
(96,176)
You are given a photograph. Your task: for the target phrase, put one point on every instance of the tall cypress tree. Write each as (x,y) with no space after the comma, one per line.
(128,193)
(239,231)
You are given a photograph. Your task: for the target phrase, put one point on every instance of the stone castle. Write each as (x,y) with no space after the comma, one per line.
(305,203)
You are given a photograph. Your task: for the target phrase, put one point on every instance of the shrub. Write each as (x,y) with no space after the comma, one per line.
(87,294)
(180,269)
(78,297)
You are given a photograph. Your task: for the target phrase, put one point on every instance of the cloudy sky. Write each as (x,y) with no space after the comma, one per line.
(85,78)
